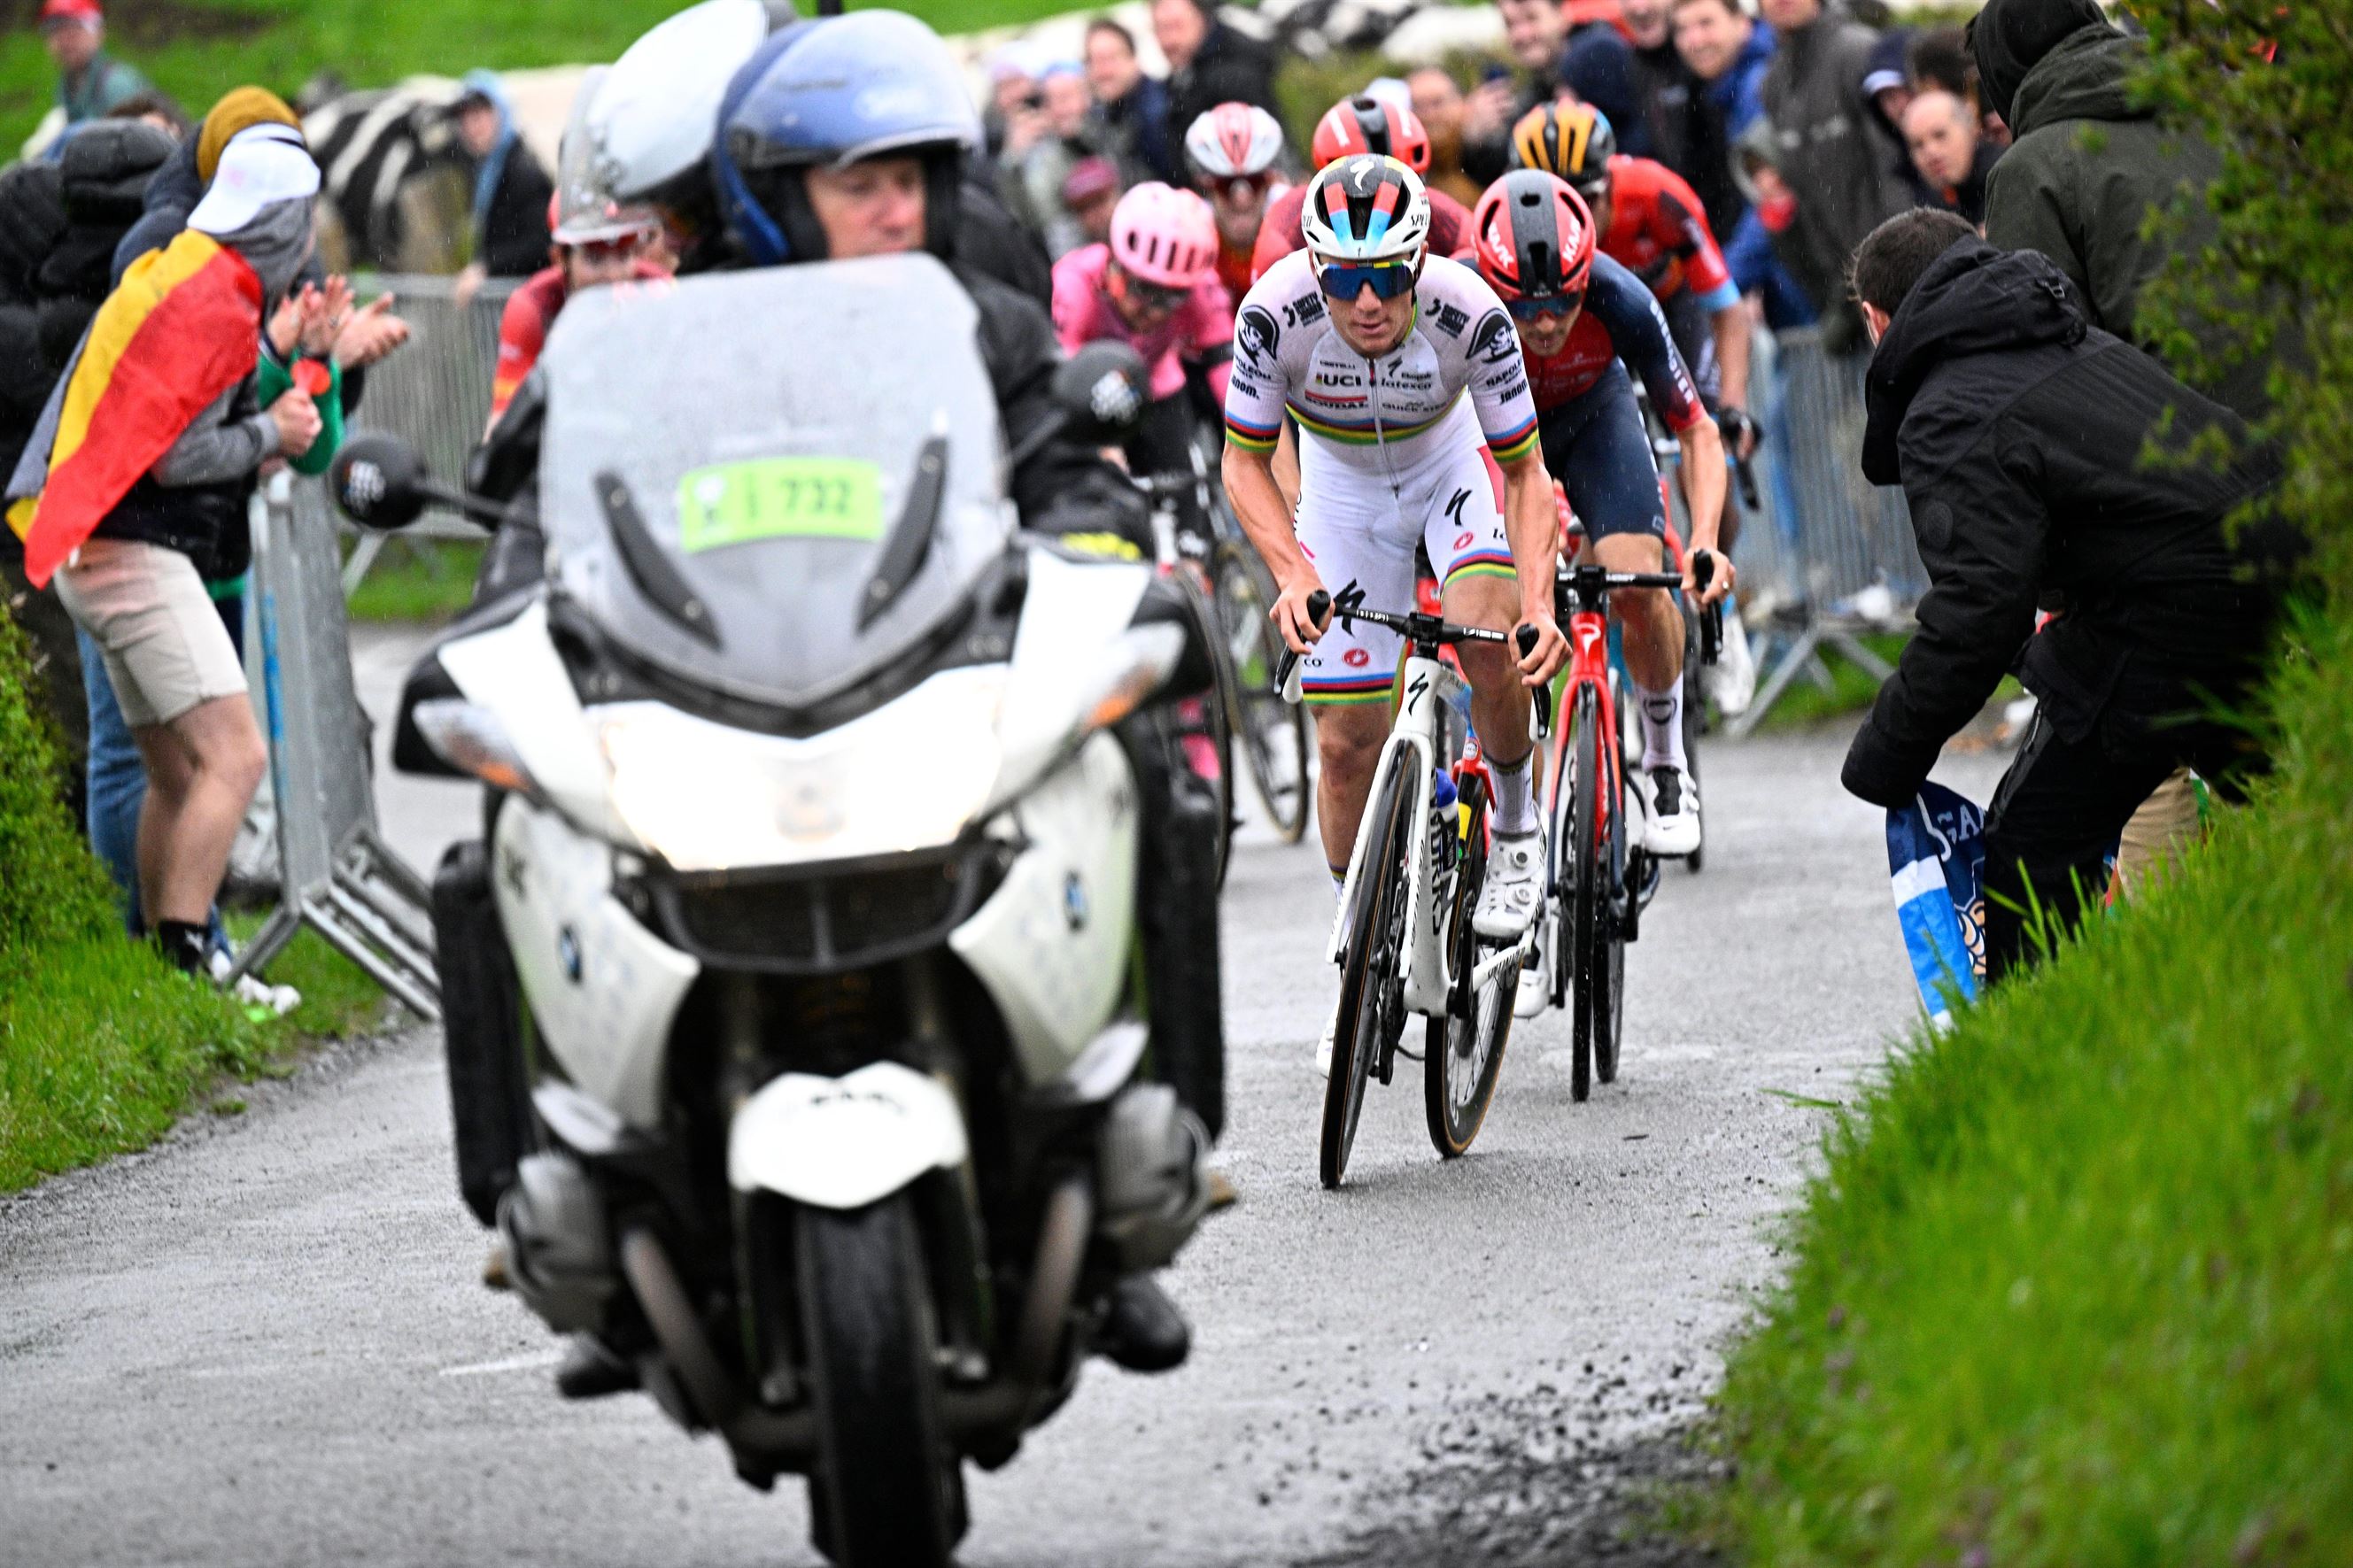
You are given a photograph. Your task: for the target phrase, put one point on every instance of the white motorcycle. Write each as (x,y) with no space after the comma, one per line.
(818,883)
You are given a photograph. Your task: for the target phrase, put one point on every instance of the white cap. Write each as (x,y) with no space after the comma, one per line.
(261,166)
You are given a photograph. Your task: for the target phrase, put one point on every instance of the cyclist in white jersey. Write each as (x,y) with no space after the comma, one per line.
(1403,372)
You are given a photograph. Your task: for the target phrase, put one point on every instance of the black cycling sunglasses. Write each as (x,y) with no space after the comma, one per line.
(1550,305)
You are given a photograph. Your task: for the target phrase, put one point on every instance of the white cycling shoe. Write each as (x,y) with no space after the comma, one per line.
(1670,810)
(1515,888)
(1731,681)
(1324,1046)
(1534,994)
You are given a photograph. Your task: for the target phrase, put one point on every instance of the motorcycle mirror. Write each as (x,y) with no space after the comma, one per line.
(380,483)
(1102,391)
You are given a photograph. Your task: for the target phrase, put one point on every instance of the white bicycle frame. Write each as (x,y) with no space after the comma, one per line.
(1429,981)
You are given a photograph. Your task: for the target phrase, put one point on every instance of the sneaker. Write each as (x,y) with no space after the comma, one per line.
(1515,874)
(1324,1046)
(251,990)
(1670,811)
(1731,681)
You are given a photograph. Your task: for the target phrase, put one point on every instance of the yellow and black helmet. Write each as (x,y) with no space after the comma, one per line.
(1572,141)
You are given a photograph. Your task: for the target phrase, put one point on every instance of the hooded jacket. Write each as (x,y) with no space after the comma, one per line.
(2013,426)
(2088,163)
(1837,157)
(104,178)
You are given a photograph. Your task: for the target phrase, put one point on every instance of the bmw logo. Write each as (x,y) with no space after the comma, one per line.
(1074,901)
(567,952)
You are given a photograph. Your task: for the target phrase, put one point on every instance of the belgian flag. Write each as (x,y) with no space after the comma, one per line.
(182,328)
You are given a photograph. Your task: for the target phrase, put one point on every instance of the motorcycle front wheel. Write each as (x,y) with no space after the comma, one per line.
(887,1491)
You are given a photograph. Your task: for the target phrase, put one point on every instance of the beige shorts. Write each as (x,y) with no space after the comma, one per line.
(166,650)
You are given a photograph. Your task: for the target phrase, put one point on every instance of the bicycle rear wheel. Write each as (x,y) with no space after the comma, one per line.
(1372,988)
(1463,1052)
(1273,732)
(1618,887)
(1588,748)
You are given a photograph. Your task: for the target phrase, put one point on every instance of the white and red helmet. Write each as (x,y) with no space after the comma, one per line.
(1163,236)
(1233,142)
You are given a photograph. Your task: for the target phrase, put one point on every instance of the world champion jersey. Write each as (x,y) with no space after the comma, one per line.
(1456,378)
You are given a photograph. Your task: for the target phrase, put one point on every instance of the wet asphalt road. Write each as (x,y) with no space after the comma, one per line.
(264,1342)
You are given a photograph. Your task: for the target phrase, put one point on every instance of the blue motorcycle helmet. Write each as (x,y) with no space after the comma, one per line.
(831,92)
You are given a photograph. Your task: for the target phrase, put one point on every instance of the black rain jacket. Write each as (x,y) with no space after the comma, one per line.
(2018,431)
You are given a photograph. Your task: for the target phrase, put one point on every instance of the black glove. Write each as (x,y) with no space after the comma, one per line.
(1736,428)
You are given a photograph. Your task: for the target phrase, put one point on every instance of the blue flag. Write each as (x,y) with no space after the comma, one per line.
(1936,866)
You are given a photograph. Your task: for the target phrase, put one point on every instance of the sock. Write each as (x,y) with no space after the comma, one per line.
(1516,794)
(1662,725)
(186,946)
(1339,881)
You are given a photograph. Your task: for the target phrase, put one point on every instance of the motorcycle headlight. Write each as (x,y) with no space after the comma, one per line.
(910,775)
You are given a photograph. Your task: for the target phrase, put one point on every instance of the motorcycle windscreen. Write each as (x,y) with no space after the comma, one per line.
(772,483)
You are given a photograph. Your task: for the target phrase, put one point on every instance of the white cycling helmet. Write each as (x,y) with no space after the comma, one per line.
(1233,142)
(1364,208)
(653,117)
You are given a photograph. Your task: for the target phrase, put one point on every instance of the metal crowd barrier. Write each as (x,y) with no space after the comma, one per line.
(336,874)
(1832,557)
(435,392)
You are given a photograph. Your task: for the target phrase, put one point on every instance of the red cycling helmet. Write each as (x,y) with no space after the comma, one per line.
(1365,124)
(1534,239)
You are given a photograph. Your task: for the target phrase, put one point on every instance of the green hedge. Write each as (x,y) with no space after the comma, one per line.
(2076,1284)
(102,1043)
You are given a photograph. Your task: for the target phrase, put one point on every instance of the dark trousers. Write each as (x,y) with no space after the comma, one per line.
(2055,818)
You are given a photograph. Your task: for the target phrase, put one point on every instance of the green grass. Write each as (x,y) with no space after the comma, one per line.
(197,49)
(428,580)
(2075,1286)
(101,1048)
(339,1000)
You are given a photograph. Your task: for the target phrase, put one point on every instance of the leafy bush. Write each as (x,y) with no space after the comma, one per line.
(52,891)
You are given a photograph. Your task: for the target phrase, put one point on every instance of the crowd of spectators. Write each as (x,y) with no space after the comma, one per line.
(1797,127)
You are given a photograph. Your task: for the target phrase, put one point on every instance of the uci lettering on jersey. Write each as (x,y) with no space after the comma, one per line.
(1382,415)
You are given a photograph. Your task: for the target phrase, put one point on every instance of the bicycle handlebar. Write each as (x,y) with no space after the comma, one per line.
(1287,668)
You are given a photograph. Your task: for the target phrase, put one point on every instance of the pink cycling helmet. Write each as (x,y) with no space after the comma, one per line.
(1164,237)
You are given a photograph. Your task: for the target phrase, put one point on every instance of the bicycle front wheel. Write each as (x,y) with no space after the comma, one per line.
(1273,732)
(1463,1051)
(1372,988)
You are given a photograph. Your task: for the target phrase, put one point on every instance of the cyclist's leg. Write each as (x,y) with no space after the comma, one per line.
(1348,677)
(1470,549)
(1604,460)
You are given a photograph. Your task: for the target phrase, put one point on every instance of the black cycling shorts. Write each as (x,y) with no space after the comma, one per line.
(1595,445)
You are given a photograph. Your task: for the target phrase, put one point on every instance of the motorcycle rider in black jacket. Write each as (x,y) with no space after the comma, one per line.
(2023,437)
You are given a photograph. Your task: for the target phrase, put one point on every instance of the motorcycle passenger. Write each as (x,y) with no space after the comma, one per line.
(1582,320)
(1232,151)
(1154,288)
(846,138)
(1370,342)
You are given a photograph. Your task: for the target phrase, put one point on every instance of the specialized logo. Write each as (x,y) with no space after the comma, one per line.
(1256,331)
(1495,341)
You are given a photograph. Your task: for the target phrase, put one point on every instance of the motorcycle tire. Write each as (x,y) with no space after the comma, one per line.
(886,1490)
(481,1025)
